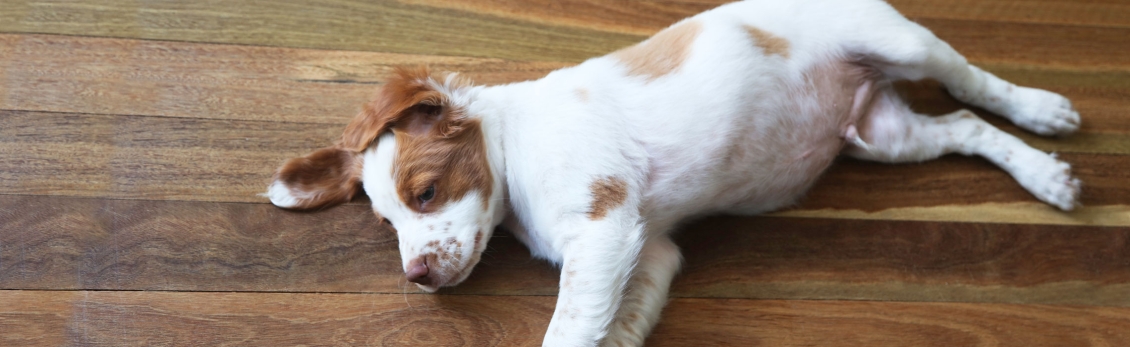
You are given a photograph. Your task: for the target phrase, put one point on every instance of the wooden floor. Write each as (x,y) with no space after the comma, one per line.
(135,137)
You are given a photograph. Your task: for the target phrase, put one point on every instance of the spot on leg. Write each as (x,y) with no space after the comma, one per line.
(607,194)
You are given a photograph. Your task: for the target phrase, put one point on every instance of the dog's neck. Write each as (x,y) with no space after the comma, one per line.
(494,106)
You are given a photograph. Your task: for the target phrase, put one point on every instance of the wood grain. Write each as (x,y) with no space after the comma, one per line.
(232,161)
(148,157)
(79,243)
(388,26)
(264,319)
(953,179)
(865,324)
(904,261)
(382,26)
(210,81)
(99,244)
(162,318)
(648,16)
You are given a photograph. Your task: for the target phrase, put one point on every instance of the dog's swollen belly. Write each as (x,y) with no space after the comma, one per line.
(774,153)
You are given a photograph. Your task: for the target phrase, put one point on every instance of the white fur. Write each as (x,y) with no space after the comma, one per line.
(731,130)
(281,196)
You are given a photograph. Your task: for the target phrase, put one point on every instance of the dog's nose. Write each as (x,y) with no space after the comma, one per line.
(418,271)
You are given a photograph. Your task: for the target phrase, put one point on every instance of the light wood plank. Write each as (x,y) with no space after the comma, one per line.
(648,16)
(210,81)
(157,318)
(74,243)
(177,79)
(148,157)
(382,26)
(388,26)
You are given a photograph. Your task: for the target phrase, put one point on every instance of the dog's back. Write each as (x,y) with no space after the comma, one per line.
(737,110)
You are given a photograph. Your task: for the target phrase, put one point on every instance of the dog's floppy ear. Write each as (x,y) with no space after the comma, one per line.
(326,177)
(411,103)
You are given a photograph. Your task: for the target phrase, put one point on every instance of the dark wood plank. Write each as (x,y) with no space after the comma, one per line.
(79,243)
(955,179)
(232,161)
(698,322)
(1043,45)
(262,319)
(783,258)
(189,80)
(382,26)
(76,243)
(1107,13)
(162,318)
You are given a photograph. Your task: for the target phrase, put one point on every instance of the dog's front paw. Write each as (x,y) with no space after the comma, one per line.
(1043,112)
(1050,180)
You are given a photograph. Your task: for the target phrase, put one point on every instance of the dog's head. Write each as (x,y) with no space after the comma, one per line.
(423,161)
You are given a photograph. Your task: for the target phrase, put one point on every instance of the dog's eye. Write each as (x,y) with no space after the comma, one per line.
(431,110)
(428,194)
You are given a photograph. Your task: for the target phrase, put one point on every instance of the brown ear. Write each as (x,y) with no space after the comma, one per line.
(326,177)
(408,101)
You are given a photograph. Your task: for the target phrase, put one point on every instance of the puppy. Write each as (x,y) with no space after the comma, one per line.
(736,110)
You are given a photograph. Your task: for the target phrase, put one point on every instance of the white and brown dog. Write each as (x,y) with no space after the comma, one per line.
(737,110)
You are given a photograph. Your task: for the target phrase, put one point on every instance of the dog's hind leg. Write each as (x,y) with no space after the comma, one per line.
(902,49)
(890,132)
(646,294)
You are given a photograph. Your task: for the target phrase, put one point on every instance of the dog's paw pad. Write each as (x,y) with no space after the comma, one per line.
(1050,180)
(1043,112)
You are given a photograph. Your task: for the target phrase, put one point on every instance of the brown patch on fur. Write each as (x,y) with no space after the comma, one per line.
(409,101)
(437,144)
(455,165)
(771,44)
(582,94)
(326,177)
(607,194)
(661,54)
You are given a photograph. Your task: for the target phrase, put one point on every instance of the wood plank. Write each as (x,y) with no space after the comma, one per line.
(98,244)
(1043,45)
(188,80)
(701,322)
(80,243)
(177,79)
(648,16)
(1107,13)
(232,161)
(543,31)
(954,179)
(148,157)
(162,318)
(381,26)
(779,258)
(263,319)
